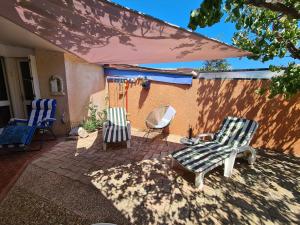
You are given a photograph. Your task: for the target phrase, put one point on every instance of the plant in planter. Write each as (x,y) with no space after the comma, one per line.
(95,119)
(145,83)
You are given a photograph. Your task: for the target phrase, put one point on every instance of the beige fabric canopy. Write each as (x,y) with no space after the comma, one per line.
(106,33)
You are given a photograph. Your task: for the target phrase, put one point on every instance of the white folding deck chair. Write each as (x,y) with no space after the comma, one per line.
(232,140)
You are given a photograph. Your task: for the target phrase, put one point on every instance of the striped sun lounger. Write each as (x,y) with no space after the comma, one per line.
(116,128)
(230,141)
(19,132)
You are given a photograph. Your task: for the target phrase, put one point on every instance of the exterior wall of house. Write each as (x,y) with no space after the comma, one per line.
(205,104)
(82,83)
(13,51)
(51,63)
(86,83)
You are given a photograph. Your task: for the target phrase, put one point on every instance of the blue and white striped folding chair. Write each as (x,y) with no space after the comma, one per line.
(116,128)
(232,140)
(19,132)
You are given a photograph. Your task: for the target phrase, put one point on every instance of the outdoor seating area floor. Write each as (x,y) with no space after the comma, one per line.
(13,163)
(77,182)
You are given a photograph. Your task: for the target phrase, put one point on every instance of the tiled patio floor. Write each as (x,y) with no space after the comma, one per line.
(12,164)
(79,183)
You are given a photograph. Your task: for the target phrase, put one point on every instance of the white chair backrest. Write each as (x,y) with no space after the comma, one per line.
(170,113)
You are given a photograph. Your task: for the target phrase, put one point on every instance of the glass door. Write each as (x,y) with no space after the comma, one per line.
(5,111)
(26,83)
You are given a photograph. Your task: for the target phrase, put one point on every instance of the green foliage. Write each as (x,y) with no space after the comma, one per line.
(288,84)
(95,119)
(216,65)
(208,14)
(267,29)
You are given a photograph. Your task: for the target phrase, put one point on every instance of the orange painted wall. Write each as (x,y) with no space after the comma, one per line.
(204,105)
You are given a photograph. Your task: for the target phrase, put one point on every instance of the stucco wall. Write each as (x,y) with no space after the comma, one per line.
(204,105)
(51,63)
(13,51)
(86,83)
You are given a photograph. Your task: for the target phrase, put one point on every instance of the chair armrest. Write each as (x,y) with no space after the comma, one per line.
(105,124)
(211,135)
(46,120)
(14,121)
(49,120)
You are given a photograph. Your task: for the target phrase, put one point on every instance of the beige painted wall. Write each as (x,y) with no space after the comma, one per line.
(85,83)
(13,51)
(51,63)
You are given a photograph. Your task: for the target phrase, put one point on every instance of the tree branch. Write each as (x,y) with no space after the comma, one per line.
(290,11)
(295,52)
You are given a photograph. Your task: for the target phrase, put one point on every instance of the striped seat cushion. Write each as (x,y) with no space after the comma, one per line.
(16,136)
(202,157)
(116,129)
(234,132)
(42,109)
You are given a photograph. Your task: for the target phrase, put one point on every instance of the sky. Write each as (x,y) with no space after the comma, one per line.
(177,12)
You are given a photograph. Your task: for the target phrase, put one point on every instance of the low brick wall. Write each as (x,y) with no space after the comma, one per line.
(205,104)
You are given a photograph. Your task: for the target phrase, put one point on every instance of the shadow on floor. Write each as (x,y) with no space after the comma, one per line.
(137,186)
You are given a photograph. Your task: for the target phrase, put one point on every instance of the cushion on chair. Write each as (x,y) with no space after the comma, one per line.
(16,135)
(42,109)
(116,129)
(202,157)
(234,132)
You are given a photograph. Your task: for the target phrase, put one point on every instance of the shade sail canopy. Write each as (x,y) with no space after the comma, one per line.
(105,33)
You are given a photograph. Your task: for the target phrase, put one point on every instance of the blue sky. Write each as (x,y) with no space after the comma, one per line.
(177,12)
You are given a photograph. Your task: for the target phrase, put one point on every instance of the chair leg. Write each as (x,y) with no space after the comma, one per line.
(252,157)
(199,180)
(165,136)
(229,163)
(172,162)
(104,146)
(146,135)
(52,133)
(42,139)
(128,143)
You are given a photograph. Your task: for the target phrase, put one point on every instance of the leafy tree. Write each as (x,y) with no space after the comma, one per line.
(267,28)
(215,65)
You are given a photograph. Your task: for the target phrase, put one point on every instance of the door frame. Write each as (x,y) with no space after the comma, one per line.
(21,85)
(8,101)
(34,80)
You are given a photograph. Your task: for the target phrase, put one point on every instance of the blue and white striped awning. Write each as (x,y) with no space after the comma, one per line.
(172,78)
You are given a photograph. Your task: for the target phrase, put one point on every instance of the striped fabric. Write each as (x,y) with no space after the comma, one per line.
(116,129)
(234,133)
(16,136)
(42,109)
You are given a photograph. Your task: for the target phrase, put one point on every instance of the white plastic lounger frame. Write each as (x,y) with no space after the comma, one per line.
(230,141)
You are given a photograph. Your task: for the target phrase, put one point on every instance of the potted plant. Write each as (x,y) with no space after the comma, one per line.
(145,83)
